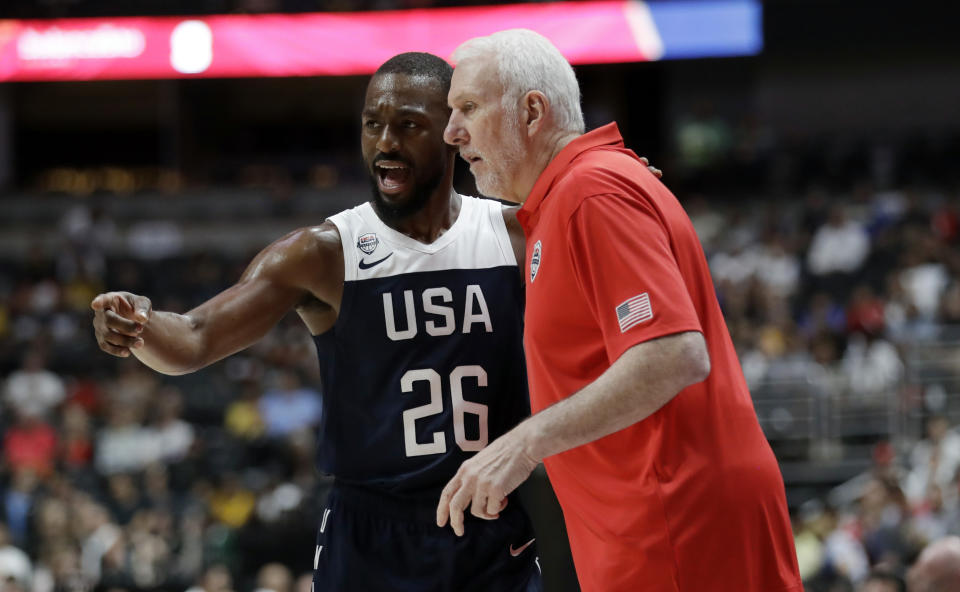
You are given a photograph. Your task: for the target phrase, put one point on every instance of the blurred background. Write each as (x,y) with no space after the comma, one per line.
(820,170)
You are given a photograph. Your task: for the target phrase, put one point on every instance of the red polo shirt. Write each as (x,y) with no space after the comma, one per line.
(690,499)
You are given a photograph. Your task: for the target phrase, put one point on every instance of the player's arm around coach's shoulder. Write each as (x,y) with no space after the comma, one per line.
(302,270)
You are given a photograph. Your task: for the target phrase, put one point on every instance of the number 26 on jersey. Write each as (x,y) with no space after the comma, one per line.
(460,408)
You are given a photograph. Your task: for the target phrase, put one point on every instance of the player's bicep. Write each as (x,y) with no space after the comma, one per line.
(628,273)
(239,316)
(273,284)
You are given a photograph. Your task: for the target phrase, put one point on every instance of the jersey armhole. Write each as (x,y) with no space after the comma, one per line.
(350,271)
(346,242)
(500,230)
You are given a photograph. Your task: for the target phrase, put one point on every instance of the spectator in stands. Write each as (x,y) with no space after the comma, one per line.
(882,581)
(735,266)
(778,267)
(174,436)
(824,375)
(242,418)
(950,304)
(931,517)
(156,488)
(124,444)
(945,222)
(707,221)
(882,512)
(231,503)
(290,406)
(808,539)
(101,542)
(873,367)
(34,391)
(822,314)
(51,521)
(149,557)
(30,443)
(844,554)
(16,569)
(133,386)
(934,460)
(865,313)
(304,583)
(837,251)
(274,577)
(76,443)
(58,569)
(924,276)
(904,321)
(124,497)
(216,578)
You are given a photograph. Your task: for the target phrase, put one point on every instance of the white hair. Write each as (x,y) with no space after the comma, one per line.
(527,61)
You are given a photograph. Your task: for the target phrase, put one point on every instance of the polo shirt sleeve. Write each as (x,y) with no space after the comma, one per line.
(627,273)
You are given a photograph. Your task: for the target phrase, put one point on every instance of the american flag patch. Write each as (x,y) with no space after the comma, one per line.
(634,311)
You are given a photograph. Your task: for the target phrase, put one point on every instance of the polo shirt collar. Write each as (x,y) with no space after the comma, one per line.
(608,135)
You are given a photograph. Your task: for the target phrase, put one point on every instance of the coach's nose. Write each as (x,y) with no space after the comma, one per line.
(455,134)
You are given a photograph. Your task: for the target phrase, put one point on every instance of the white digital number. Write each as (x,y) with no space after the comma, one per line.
(460,408)
(435,406)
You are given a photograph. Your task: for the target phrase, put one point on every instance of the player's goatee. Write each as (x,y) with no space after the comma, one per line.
(419,196)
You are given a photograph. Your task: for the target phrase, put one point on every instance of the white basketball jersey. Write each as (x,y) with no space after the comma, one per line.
(424,365)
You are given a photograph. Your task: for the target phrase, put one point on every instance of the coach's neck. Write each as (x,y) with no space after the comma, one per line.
(541,149)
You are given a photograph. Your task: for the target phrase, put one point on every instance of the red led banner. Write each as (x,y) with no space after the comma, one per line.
(307,44)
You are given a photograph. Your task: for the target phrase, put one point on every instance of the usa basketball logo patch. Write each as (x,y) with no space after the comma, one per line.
(535,260)
(368,242)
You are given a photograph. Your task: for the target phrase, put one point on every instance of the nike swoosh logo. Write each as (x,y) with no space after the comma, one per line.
(365,265)
(516,552)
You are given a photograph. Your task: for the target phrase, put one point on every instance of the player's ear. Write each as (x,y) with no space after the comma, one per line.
(533,109)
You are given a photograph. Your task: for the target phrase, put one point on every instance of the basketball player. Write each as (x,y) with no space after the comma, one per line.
(414,300)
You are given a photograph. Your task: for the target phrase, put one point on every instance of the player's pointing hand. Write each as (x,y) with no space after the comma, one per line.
(118,320)
(484,481)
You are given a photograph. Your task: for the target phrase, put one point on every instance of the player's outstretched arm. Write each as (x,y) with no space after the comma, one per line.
(305,264)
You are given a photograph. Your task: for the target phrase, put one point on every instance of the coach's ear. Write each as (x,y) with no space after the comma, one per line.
(533,110)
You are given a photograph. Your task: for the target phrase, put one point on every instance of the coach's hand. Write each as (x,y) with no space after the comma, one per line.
(118,320)
(484,481)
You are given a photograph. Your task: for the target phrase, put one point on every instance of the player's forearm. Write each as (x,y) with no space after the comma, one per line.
(639,383)
(172,344)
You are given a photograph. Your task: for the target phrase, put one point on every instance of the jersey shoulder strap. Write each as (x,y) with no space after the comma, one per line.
(355,242)
(478,239)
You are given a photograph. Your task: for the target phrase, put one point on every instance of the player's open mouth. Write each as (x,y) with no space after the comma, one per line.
(471,159)
(392,176)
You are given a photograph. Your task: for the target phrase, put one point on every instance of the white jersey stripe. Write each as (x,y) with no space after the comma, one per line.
(371,249)
(323,523)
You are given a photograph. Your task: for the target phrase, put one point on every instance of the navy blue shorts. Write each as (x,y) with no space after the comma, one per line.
(370,542)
